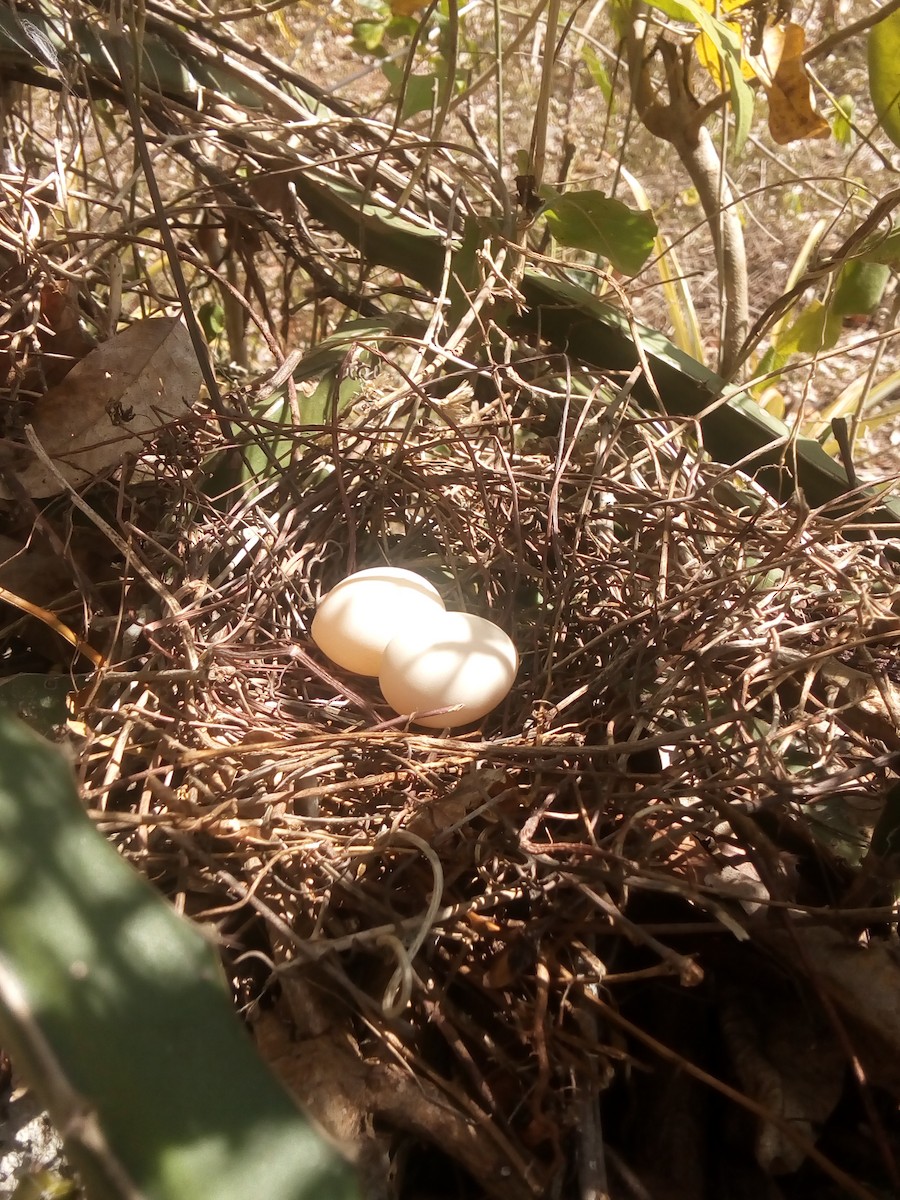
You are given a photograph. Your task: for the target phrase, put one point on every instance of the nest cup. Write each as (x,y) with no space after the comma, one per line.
(441,902)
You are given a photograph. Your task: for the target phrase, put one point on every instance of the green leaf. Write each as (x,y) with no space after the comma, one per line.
(211,316)
(332,395)
(41,701)
(382,236)
(884,73)
(45,1185)
(831,821)
(331,351)
(597,71)
(115,1010)
(883,249)
(842,124)
(816,328)
(591,221)
(466,272)
(573,319)
(269,453)
(368,35)
(728,44)
(859,288)
(420,92)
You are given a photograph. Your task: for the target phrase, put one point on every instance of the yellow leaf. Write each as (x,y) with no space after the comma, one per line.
(708,55)
(726,6)
(773,402)
(792,106)
(406,8)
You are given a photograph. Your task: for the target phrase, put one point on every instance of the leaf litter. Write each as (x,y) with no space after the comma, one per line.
(110,404)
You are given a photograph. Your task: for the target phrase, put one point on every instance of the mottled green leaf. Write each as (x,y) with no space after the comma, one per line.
(211,316)
(859,288)
(115,1010)
(592,221)
(884,73)
(815,328)
(884,249)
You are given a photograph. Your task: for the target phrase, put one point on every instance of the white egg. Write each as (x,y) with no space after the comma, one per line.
(455,659)
(363,612)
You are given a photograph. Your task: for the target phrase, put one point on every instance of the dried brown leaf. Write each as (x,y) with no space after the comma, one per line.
(345,1094)
(63,340)
(792,1066)
(477,788)
(111,403)
(864,982)
(792,111)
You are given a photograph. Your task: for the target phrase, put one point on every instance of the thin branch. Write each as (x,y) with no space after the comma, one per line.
(840,36)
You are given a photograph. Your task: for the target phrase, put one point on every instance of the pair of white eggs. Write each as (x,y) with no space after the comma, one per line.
(392,623)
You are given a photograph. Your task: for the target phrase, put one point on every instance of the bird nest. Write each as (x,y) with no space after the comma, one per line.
(523,958)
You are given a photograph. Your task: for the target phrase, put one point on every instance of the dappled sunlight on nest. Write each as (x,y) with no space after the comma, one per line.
(625,936)
(460,938)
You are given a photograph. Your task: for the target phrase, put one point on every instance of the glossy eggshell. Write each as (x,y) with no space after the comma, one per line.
(457,659)
(363,612)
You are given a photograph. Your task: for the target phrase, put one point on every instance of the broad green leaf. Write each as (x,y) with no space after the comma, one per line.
(859,288)
(332,395)
(816,328)
(736,430)
(220,80)
(381,236)
(115,1010)
(728,43)
(211,316)
(465,273)
(269,453)
(331,351)
(420,92)
(884,249)
(33,40)
(161,67)
(368,35)
(884,73)
(594,222)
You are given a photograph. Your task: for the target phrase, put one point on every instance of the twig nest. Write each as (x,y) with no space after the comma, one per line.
(362,613)
(453,660)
